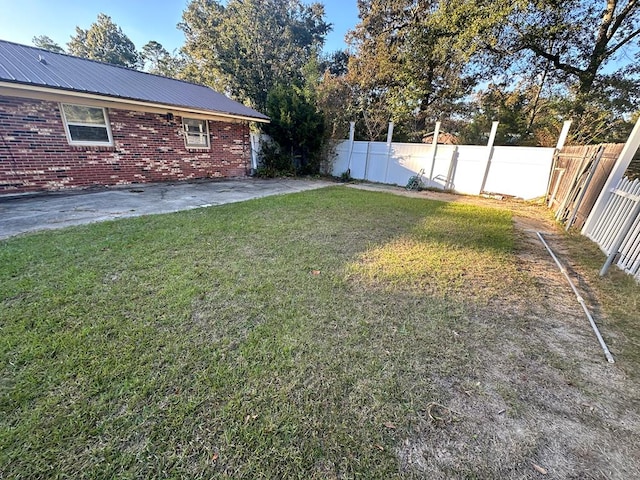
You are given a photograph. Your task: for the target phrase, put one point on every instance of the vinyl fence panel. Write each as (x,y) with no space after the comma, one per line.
(517,171)
(520,171)
(617,230)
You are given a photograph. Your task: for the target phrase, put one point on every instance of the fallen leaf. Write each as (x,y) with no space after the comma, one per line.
(539,469)
(215,457)
(389,425)
(379,447)
(315,272)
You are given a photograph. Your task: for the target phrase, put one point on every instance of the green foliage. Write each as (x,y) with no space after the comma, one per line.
(42,41)
(247,47)
(335,99)
(104,41)
(273,162)
(415,61)
(297,129)
(572,48)
(511,108)
(407,68)
(345,176)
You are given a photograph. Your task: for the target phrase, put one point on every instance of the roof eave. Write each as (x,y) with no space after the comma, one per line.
(27,87)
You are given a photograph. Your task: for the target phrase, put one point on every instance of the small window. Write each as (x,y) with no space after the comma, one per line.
(196,133)
(86,125)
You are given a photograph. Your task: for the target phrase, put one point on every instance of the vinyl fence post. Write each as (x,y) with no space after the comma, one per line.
(434,146)
(628,151)
(366,161)
(254,139)
(352,134)
(389,144)
(559,146)
(449,185)
(563,134)
(492,139)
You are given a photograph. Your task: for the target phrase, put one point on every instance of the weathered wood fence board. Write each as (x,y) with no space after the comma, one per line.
(578,176)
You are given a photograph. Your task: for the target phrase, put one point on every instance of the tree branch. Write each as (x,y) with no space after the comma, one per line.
(620,18)
(555,59)
(622,42)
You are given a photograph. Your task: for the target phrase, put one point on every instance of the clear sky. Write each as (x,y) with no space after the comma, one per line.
(140,20)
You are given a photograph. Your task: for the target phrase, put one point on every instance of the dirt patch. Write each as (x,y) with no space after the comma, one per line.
(542,402)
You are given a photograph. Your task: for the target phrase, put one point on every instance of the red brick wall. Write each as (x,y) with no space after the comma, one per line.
(35,154)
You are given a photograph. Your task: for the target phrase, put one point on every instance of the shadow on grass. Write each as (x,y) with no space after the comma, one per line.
(273,338)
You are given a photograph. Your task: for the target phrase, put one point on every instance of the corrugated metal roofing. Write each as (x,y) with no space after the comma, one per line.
(34,66)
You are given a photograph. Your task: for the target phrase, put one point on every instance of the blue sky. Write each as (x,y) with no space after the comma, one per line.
(141,20)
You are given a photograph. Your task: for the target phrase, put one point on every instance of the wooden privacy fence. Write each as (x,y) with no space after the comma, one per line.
(617,230)
(577,178)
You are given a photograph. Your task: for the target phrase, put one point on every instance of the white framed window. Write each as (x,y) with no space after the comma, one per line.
(196,133)
(86,125)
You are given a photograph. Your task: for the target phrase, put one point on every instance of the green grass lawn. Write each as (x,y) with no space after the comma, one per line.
(299,336)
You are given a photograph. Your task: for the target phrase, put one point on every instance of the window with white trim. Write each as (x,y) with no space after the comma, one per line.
(86,125)
(196,133)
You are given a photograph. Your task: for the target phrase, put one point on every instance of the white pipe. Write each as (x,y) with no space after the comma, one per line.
(607,353)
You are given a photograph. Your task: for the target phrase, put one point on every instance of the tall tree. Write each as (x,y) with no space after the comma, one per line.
(104,41)
(406,63)
(42,41)
(577,56)
(245,47)
(578,37)
(335,95)
(584,44)
(154,58)
(297,127)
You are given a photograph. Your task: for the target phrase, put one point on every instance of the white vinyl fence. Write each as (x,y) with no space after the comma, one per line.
(518,171)
(617,229)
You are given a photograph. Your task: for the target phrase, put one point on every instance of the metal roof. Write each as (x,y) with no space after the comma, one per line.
(27,65)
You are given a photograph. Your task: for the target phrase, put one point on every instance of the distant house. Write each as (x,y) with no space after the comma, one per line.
(443,138)
(69,122)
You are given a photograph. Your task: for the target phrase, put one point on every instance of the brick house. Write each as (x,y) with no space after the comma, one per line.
(68,122)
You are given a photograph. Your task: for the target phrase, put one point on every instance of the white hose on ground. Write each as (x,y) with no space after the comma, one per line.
(607,353)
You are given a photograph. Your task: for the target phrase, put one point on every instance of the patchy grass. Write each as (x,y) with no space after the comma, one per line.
(329,334)
(617,296)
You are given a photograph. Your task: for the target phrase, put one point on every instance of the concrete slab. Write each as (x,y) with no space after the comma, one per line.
(57,210)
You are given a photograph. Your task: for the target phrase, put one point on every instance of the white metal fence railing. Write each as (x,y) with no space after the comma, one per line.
(617,230)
